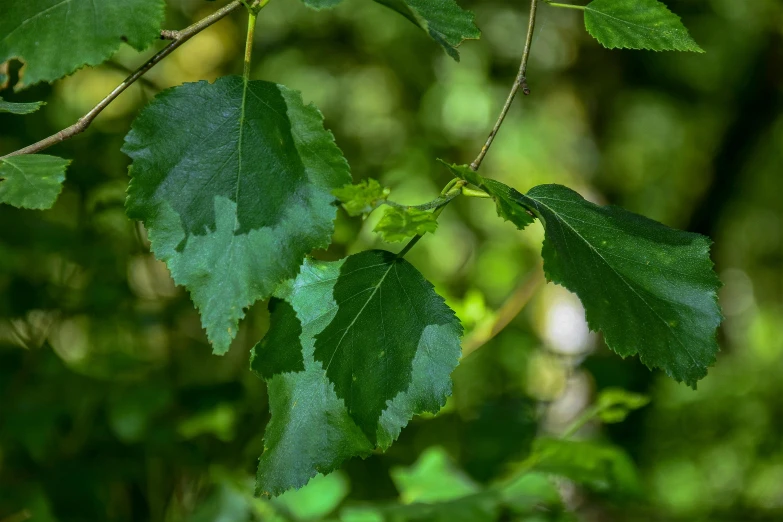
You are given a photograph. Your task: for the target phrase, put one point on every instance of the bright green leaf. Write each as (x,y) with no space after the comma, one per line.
(32,180)
(445,21)
(398,224)
(316,500)
(614,404)
(432,478)
(20,108)
(311,430)
(362,198)
(506,198)
(650,289)
(637,24)
(601,467)
(233,181)
(56,37)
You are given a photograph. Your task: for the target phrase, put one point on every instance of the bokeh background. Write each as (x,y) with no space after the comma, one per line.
(113,408)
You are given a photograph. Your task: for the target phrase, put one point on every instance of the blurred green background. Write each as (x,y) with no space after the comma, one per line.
(113,408)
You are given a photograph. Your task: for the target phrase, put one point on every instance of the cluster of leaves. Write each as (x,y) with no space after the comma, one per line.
(236,182)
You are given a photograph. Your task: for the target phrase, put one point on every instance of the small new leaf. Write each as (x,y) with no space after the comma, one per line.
(637,24)
(614,404)
(233,181)
(54,38)
(378,346)
(20,108)
(362,198)
(400,223)
(506,198)
(31,181)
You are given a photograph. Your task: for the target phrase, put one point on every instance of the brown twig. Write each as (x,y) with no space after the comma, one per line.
(519,82)
(178,38)
(510,308)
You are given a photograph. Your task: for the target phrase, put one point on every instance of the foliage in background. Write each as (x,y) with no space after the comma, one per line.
(80,283)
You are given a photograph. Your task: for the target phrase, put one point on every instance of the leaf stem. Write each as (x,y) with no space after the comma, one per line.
(568,6)
(251,30)
(519,81)
(177,39)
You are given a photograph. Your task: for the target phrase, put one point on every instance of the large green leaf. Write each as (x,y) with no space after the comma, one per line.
(445,21)
(650,289)
(20,108)
(637,24)
(384,309)
(403,351)
(56,37)
(233,181)
(31,180)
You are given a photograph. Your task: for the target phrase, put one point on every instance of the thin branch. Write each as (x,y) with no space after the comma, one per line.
(519,81)
(179,38)
(169,34)
(510,308)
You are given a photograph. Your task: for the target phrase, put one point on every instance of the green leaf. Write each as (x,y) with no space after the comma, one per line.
(434,489)
(637,24)
(445,21)
(20,108)
(601,467)
(506,198)
(398,223)
(650,289)
(433,478)
(362,198)
(614,404)
(320,497)
(32,180)
(233,181)
(56,37)
(311,430)
(384,310)
(267,359)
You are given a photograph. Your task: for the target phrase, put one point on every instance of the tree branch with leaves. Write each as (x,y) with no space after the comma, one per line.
(237,182)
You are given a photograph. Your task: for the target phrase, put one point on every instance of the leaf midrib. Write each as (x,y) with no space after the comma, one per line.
(345,332)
